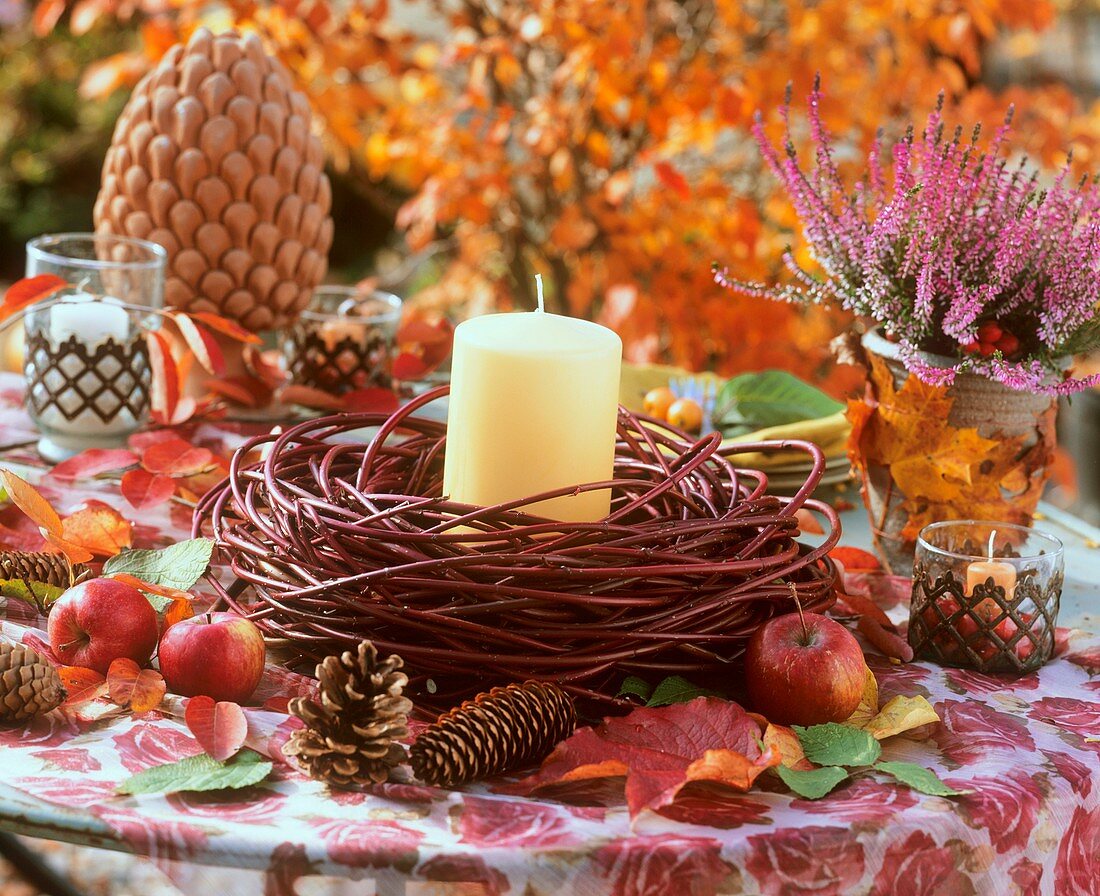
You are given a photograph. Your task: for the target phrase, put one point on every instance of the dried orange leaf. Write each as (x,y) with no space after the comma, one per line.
(81,684)
(899,715)
(98,529)
(24,293)
(130,685)
(28,499)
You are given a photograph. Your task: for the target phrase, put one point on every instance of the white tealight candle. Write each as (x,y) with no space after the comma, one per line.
(91,321)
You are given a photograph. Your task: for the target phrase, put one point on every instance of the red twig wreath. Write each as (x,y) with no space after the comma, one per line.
(342,540)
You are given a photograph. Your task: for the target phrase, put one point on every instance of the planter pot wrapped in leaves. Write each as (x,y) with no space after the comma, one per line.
(972,450)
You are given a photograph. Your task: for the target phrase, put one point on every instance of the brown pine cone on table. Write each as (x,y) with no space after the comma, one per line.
(29,685)
(352,735)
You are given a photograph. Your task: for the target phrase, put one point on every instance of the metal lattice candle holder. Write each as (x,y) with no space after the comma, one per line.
(344,341)
(341,541)
(960,619)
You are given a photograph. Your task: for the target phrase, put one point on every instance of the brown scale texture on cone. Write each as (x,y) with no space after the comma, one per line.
(29,686)
(213,159)
(504,730)
(39,566)
(351,735)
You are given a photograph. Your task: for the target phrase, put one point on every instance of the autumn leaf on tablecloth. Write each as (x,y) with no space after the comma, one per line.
(868,703)
(308,397)
(28,499)
(359,401)
(901,714)
(176,458)
(81,685)
(220,727)
(164,396)
(144,490)
(24,293)
(98,528)
(876,626)
(93,462)
(658,752)
(131,686)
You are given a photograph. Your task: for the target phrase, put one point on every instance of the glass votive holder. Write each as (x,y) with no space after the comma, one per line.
(344,340)
(985,595)
(85,357)
(102,266)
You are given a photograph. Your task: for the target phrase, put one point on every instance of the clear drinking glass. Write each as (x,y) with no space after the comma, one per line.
(985,595)
(85,360)
(344,340)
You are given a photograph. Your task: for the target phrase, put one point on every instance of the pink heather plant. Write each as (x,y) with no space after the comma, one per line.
(956,252)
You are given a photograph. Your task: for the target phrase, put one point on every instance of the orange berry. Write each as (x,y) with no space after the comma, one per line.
(686,414)
(658,401)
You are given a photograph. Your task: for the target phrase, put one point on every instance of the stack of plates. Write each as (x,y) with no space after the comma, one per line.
(786,479)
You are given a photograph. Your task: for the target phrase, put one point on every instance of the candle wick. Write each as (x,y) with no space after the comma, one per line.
(538,291)
(992,536)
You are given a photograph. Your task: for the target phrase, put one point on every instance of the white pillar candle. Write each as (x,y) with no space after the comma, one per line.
(91,321)
(533,407)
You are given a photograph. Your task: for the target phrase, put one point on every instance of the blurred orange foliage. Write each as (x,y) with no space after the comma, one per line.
(605,144)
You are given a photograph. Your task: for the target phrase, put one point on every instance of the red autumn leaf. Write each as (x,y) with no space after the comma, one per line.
(265,366)
(28,499)
(672,179)
(658,752)
(371,401)
(202,343)
(309,397)
(886,638)
(93,462)
(408,366)
(25,292)
(144,489)
(97,528)
(220,728)
(81,685)
(227,327)
(423,345)
(130,685)
(855,559)
(166,379)
(175,457)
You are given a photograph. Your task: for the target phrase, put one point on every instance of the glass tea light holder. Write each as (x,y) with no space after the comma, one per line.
(85,358)
(344,341)
(985,595)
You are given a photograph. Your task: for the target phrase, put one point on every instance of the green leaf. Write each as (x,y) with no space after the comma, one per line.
(37,594)
(177,566)
(633,686)
(920,779)
(814,783)
(199,773)
(833,744)
(675,689)
(771,398)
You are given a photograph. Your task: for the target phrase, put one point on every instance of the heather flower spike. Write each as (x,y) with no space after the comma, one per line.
(947,246)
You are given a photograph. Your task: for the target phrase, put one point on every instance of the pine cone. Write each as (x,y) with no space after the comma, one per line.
(29,686)
(39,566)
(351,736)
(213,159)
(501,731)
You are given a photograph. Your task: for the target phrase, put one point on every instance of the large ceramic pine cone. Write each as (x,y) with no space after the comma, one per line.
(213,158)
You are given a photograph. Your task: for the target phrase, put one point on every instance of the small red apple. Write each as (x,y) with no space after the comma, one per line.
(218,655)
(804,669)
(100,620)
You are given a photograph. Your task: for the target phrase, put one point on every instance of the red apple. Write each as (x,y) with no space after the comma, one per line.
(219,655)
(804,670)
(100,620)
